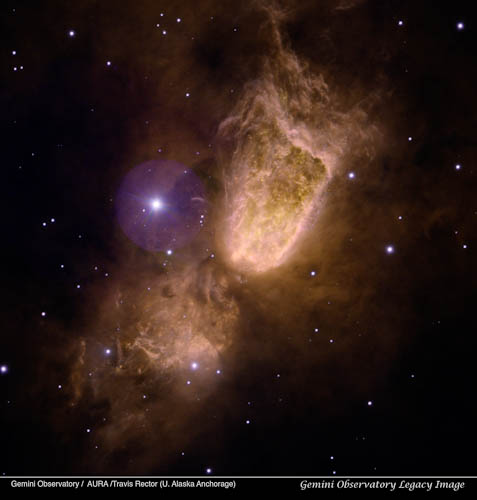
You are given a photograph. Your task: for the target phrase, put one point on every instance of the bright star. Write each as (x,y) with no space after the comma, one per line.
(156,204)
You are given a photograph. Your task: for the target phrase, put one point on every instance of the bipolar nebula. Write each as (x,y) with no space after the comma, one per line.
(255,237)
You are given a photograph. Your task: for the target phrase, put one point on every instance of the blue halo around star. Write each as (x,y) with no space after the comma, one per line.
(159,204)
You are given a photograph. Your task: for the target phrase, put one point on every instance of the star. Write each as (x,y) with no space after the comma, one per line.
(156,204)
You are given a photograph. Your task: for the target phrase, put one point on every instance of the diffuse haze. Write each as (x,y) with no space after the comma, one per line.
(281,146)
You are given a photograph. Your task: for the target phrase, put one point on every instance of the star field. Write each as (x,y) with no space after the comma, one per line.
(239,238)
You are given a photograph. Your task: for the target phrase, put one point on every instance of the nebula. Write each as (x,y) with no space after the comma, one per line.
(239,238)
(159,344)
(282,144)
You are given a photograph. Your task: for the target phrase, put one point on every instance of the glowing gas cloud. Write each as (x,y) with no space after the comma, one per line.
(168,330)
(287,141)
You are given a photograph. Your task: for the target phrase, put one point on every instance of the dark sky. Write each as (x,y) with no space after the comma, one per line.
(322,321)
